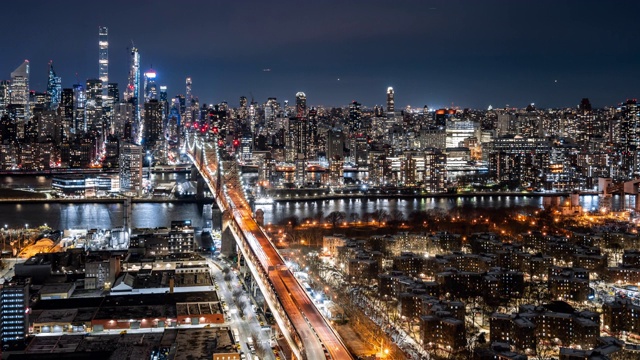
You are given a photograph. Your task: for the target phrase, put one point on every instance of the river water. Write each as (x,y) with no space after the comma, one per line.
(108,215)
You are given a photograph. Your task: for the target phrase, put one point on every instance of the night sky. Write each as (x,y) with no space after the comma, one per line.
(471,53)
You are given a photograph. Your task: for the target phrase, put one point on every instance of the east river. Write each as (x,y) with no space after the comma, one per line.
(109,215)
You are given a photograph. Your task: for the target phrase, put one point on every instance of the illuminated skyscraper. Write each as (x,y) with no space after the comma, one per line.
(355,116)
(150,87)
(130,164)
(19,93)
(301,105)
(103,54)
(54,89)
(93,109)
(188,90)
(163,93)
(113,92)
(390,101)
(187,114)
(79,101)
(66,105)
(242,111)
(4,96)
(132,92)
(153,124)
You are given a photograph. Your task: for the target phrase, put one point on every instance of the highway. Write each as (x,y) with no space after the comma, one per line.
(317,337)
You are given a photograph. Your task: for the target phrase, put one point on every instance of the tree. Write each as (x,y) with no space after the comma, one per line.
(380,216)
(335,218)
(396,217)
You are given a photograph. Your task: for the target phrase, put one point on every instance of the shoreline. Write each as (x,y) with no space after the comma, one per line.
(105,201)
(299,199)
(425,196)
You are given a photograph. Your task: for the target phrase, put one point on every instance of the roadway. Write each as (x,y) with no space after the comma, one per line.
(249,326)
(314,331)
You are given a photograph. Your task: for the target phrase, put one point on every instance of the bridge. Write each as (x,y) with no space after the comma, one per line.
(308,333)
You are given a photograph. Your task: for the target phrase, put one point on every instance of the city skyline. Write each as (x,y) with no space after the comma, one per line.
(432,53)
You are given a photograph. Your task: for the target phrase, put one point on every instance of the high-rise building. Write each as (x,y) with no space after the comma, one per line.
(150,87)
(19,95)
(66,104)
(93,110)
(390,100)
(130,163)
(163,93)
(79,102)
(14,309)
(132,92)
(242,111)
(113,92)
(187,113)
(355,116)
(122,121)
(301,105)
(103,54)
(153,124)
(54,89)
(4,96)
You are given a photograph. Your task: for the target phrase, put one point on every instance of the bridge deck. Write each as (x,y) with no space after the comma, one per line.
(316,334)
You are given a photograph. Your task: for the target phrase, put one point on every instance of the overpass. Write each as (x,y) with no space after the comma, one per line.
(308,333)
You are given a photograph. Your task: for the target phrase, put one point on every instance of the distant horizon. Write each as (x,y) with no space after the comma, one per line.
(467,53)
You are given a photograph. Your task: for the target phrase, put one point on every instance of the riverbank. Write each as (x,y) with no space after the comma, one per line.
(290,198)
(116,200)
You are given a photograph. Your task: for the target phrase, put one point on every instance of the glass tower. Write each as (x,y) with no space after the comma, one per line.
(54,89)
(103,54)
(132,92)
(390,100)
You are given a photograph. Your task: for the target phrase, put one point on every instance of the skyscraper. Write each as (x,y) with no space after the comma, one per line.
(130,163)
(152,129)
(103,54)
(66,104)
(132,92)
(188,115)
(54,89)
(20,87)
(4,96)
(93,109)
(14,304)
(113,92)
(79,102)
(355,116)
(150,87)
(301,105)
(242,111)
(390,100)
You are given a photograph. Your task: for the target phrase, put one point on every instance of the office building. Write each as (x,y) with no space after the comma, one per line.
(152,129)
(131,157)
(54,89)
(150,87)
(19,96)
(390,101)
(79,103)
(132,92)
(93,109)
(14,309)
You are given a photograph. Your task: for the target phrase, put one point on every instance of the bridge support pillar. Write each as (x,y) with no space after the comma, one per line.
(216,216)
(200,188)
(194,172)
(227,240)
